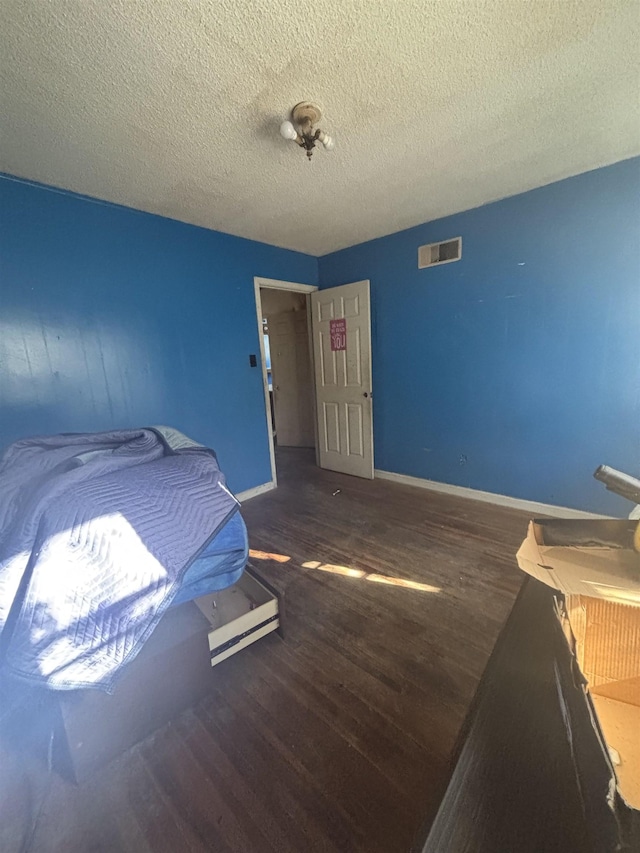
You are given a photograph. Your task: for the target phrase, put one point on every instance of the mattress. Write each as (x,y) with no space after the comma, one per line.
(91,555)
(219,565)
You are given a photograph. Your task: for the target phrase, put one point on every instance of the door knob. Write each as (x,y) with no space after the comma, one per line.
(367,394)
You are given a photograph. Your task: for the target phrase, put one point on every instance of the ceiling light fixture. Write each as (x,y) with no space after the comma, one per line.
(300,128)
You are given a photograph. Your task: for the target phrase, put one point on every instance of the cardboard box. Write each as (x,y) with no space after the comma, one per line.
(595,567)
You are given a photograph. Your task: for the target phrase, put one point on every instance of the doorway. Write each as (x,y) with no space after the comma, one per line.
(284,322)
(319,370)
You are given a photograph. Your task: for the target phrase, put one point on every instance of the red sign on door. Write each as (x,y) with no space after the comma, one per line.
(338,332)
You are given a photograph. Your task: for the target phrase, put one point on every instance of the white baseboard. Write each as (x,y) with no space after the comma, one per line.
(488,497)
(255,491)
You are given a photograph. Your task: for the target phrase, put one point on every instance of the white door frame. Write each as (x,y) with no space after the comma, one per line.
(292,287)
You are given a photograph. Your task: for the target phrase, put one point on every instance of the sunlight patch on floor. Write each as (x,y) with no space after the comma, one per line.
(345,571)
(264,555)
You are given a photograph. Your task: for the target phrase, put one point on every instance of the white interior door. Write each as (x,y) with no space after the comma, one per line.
(341,325)
(291,378)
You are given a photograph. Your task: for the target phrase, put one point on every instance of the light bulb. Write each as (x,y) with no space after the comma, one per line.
(328,142)
(288,130)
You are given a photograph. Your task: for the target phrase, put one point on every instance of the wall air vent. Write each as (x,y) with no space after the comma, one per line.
(434,254)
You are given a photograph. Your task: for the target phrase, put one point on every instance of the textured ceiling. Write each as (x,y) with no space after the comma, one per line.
(173,106)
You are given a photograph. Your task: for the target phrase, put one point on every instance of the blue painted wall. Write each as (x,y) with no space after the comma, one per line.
(114,318)
(517,369)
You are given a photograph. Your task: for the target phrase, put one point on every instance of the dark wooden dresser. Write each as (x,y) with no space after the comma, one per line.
(530,775)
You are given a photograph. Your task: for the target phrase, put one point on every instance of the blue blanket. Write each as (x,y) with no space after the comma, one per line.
(96,533)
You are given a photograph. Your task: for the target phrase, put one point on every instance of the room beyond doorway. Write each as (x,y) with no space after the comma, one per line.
(284,323)
(289,373)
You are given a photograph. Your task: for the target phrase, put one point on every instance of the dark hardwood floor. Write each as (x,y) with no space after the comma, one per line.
(337,738)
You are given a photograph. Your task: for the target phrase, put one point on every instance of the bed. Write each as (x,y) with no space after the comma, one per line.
(220,564)
(101,534)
